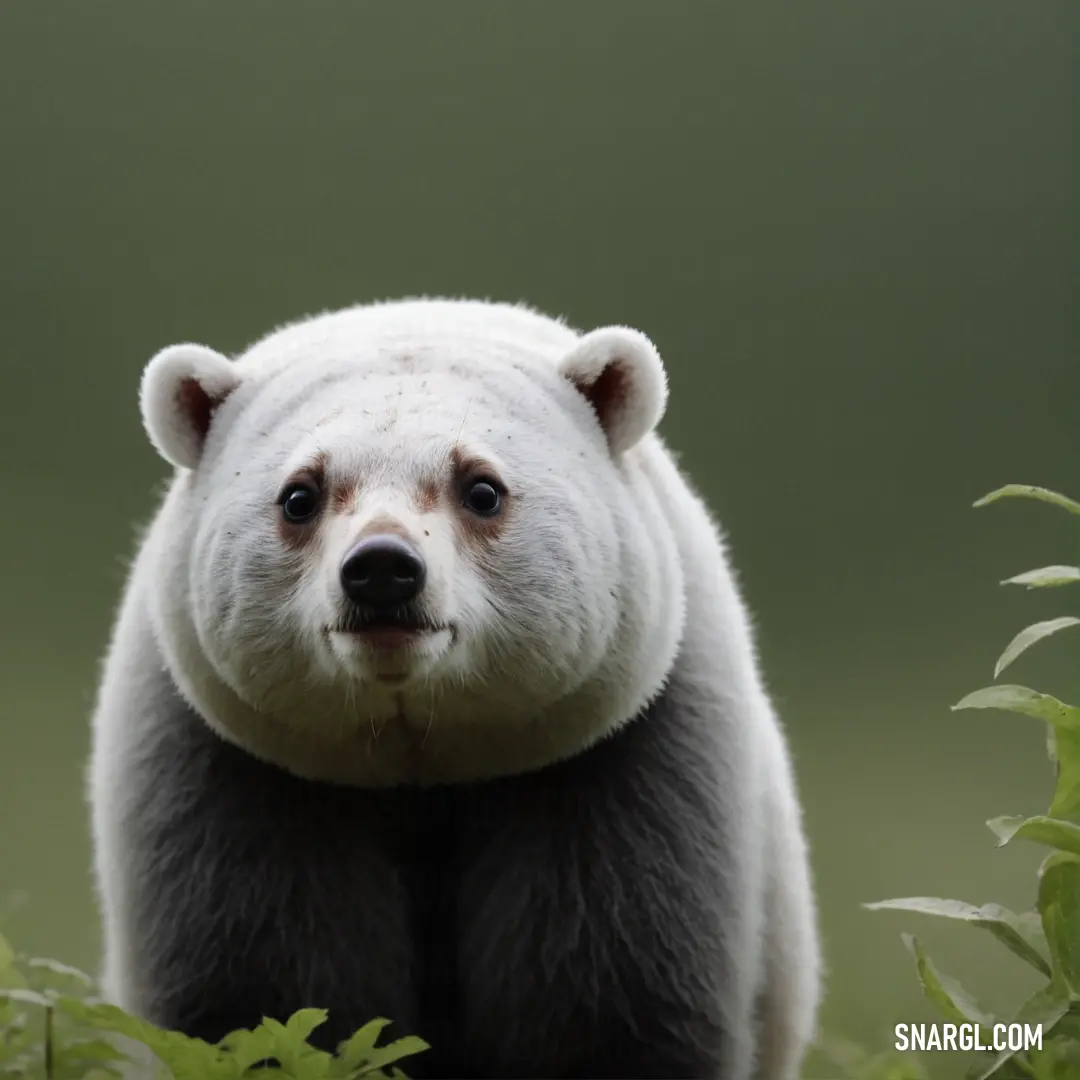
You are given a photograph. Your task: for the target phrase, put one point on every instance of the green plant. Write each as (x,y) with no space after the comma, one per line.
(1048,936)
(855,1063)
(53,1028)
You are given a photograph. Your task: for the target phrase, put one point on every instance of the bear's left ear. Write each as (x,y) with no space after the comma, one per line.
(181,387)
(619,372)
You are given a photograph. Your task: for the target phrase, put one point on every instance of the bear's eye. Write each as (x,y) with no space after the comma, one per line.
(482,497)
(299,503)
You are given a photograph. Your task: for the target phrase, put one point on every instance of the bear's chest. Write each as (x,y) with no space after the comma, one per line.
(455,912)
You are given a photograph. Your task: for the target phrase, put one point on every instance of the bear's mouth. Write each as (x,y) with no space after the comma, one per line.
(388,629)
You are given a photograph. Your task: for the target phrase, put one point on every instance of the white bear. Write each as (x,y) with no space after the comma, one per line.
(432,696)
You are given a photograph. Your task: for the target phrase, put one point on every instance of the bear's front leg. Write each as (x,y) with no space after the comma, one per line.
(245,893)
(601,935)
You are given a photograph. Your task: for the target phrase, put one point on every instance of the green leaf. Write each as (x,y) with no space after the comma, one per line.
(944,992)
(1063,745)
(27,997)
(1046,577)
(284,1043)
(302,1023)
(355,1049)
(379,1058)
(187,1059)
(246,1048)
(1059,904)
(81,1060)
(364,1058)
(107,1017)
(1022,934)
(289,1046)
(1059,1058)
(1021,699)
(63,971)
(93,1050)
(1063,835)
(1027,491)
(1047,1007)
(1029,636)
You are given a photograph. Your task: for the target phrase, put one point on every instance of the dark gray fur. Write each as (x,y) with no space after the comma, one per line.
(582,921)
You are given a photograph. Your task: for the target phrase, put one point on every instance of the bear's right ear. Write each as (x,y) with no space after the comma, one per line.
(620,374)
(181,387)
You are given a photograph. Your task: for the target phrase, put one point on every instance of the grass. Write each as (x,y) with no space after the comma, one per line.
(53,1027)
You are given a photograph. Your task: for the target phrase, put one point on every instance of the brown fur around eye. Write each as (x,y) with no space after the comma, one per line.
(294,536)
(343,497)
(476,530)
(298,535)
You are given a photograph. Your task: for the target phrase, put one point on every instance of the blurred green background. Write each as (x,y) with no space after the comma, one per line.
(850,226)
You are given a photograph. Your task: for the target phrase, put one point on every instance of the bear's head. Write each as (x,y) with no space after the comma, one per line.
(414,542)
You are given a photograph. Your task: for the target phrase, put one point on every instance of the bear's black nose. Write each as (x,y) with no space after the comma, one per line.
(382,571)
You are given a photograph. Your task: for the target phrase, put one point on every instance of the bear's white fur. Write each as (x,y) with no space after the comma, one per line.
(396,388)
(549,638)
